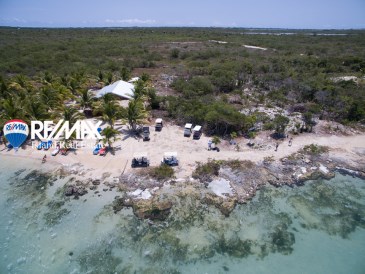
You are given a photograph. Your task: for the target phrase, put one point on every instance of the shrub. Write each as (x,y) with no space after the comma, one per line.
(268,160)
(252,135)
(237,164)
(216,140)
(162,172)
(314,149)
(204,172)
(175,53)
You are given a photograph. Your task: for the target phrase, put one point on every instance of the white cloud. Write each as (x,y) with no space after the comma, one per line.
(130,21)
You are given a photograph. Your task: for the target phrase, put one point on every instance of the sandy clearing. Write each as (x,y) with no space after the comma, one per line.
(254,47)
(190,151)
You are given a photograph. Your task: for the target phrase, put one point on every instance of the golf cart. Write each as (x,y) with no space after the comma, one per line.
(146,133)
(170,159)
(187,130)
(159,124)
(140,160)
(197,132)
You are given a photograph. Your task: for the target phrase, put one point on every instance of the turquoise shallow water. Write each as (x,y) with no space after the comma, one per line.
(315,228)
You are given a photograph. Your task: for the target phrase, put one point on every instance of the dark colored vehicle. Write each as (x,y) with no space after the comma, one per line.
(197,132)
(146,133)
(170,159)
(140,160)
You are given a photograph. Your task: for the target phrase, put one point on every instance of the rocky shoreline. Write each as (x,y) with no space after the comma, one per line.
(222,184)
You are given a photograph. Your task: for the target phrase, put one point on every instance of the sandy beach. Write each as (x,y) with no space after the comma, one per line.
(351,147)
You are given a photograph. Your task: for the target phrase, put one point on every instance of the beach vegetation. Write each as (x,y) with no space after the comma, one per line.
(135,113)
(71,114)
(205,171)
(110,136)
(85,100)
(202,82)
(315,150)
(162,172)
(216,140)
(280,123)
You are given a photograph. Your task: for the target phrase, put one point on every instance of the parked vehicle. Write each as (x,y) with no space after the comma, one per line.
(197,132)
(103,151)
(146,133)
(97,149)
(140,160)
(170,158)
(187,130)
(159,124)
(56,151)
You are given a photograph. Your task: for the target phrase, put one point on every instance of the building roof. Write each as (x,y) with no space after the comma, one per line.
(120,88)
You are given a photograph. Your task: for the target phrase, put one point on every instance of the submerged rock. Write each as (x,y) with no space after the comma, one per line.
(225,205)
(69,191)
(96,182)
(152,209)
(75,190)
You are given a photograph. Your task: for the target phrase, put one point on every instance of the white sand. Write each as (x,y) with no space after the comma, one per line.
(323,169)
(218,42)
(189,151)
(254,47)
(140,194)
(220,187)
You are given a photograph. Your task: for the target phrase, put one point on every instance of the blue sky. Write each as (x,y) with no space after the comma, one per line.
(228,13)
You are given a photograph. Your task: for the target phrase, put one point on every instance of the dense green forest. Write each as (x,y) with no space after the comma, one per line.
(213,73)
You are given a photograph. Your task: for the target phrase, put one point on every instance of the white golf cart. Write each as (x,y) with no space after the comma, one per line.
(170,159)
(140,160)
(188,130)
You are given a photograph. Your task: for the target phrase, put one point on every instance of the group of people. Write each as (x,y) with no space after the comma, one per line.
(289,143)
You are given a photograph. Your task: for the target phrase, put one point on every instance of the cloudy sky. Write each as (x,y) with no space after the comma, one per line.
(229,13)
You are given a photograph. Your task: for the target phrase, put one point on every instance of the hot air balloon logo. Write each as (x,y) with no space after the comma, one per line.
(16,132)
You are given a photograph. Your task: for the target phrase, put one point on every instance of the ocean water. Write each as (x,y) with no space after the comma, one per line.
(315,228)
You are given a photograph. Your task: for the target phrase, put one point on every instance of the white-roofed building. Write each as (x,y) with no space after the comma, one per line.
(119,88)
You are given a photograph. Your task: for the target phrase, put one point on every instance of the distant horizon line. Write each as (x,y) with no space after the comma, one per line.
(190,27)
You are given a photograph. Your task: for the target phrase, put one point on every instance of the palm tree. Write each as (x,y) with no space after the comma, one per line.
(109,78)
(47,78)
(100,76)
(20,82)
(4,90)
(125,74)
(49,97)
(34,109)
(140,90)
(135,113)
(111,112)
(71,114)
(11,109)
(85,99)
(110,136)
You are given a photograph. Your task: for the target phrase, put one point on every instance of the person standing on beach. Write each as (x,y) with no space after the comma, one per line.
(290,141)
(209,144)
(277,145)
